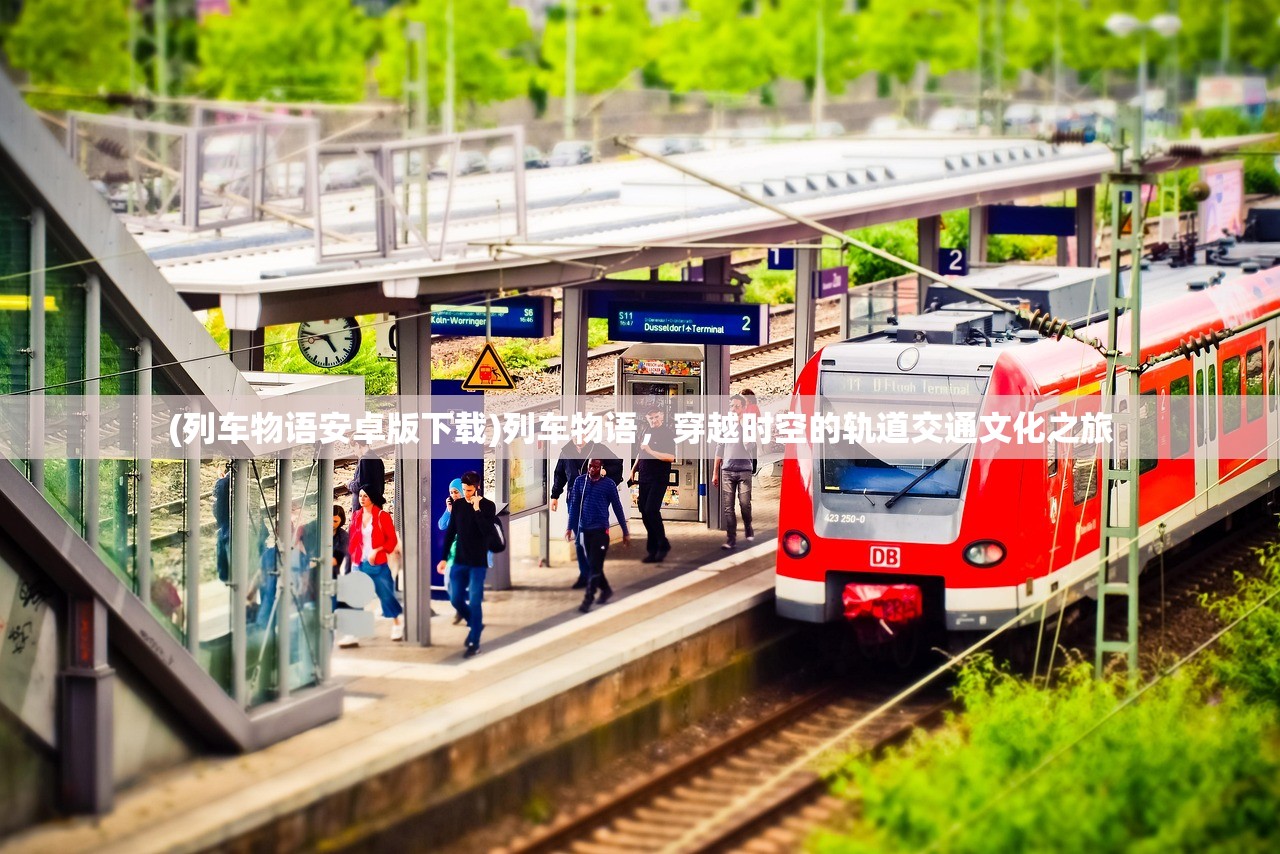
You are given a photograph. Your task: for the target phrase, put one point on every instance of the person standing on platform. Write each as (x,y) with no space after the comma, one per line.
(734,464)
(371,475)
(470,526)
(455,495)
(222,519)
(590,498)
(573,462)
(653,459)
(373,537)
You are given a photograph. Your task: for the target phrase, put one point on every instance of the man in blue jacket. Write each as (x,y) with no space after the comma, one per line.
(590,498)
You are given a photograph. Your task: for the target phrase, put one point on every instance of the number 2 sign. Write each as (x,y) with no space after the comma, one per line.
(953,262)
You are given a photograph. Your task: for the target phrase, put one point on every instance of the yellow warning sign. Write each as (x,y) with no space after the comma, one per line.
(489,374)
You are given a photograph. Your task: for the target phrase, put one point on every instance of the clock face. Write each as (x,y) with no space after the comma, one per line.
(329,343)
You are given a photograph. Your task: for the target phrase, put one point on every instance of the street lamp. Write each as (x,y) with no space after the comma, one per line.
(1123,25)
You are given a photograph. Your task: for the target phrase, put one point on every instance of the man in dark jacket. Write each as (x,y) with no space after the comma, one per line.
(371,475)
(653,458)
(472,520)
(572,463)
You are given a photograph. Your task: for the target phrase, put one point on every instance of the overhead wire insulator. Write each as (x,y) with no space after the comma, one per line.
(1184,149)
(111,147)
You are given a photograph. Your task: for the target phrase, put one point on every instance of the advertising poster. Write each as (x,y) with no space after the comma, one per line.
(1223,211)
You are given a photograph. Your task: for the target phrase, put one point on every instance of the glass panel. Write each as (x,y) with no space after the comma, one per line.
(169,544)
(1230,394)
(1084,474)
(1148,432)
(215,596)
(15,263)
(304,610)
(261,615)
(64,363)
(117,478)
(1180,416)
(1253,384)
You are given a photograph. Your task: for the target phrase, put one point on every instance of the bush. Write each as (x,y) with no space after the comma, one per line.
(1182,768)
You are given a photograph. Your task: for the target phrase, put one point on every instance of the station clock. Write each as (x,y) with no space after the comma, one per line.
(329,343)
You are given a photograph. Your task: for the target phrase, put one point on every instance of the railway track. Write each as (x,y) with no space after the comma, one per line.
(726,794)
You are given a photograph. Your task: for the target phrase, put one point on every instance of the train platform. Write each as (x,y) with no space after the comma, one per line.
(404,703)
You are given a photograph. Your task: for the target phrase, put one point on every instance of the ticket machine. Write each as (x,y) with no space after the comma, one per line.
(671,375)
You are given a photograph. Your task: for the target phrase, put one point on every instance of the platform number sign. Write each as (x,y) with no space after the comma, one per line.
(782,259)
(953,261)
(886,557)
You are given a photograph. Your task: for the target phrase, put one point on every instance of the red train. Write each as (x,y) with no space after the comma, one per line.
(966,537)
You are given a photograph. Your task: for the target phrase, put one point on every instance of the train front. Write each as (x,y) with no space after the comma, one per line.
(872,524)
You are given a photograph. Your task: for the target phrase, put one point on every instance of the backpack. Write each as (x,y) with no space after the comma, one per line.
(493,540)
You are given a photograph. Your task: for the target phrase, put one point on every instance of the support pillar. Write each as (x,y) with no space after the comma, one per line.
(92,410)
(928,240)
(413,475)
(978,236)
(573,382)
(86,777)
(1086,212)
(807,260)
(715,389)
(35,350)
(142,501)
(248,351)
(326,582)
(242,535)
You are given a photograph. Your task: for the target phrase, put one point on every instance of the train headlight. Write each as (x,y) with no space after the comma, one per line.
(795,544)
(984,553)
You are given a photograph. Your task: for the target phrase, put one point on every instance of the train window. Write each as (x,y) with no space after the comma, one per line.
(1199,397)
(1213,404)
(1051,453)
(1180,416)
(1084,474)
(1148,432)
(1271,375)
(1230,394)
(1253,384)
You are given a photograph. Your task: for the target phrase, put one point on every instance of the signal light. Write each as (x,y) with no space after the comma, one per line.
(984,553)
(795,544)
(1077,137)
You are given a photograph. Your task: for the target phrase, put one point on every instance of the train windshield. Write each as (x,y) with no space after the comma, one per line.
(898,435)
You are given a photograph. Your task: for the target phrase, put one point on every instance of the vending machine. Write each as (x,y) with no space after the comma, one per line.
(671,376)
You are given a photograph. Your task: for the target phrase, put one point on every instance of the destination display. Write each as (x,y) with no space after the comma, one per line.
(689,323)
(516,317)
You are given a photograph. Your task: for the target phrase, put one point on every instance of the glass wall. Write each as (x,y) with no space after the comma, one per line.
(170,518)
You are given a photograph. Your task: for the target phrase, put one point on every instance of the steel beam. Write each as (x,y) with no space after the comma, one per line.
(86,720)
(413,476)
(807,261)
(928,240)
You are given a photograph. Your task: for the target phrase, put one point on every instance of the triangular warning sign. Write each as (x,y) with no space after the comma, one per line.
(489,374)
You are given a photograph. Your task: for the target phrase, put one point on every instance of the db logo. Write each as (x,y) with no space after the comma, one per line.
(886,556)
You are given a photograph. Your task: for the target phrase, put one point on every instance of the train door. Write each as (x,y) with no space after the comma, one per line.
(1206,430)
(1273,425)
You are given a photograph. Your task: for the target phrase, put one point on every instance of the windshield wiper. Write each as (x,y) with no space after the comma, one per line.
(930,470)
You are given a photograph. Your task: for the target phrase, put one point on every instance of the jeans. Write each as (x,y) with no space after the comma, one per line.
(385,586)
(584,564)
(651,514)
(222,552)
(735,483)
(467,597)
(594,546)
(266,598)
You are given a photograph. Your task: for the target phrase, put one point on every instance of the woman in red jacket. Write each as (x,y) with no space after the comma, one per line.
(373,537)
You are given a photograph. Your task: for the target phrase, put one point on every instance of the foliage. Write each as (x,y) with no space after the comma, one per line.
(792,27)
(895,36)
(713,48)
(771,287)
(897,238)
(612,42)
(493,49)
(1183,768)
(286,50)
(73,45)
(1248,661)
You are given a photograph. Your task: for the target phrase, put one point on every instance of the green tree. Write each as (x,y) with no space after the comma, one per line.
(713,48)
(286,50)
(612,42)
(895,36)
(73,45)
(793,45)
(493,48)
